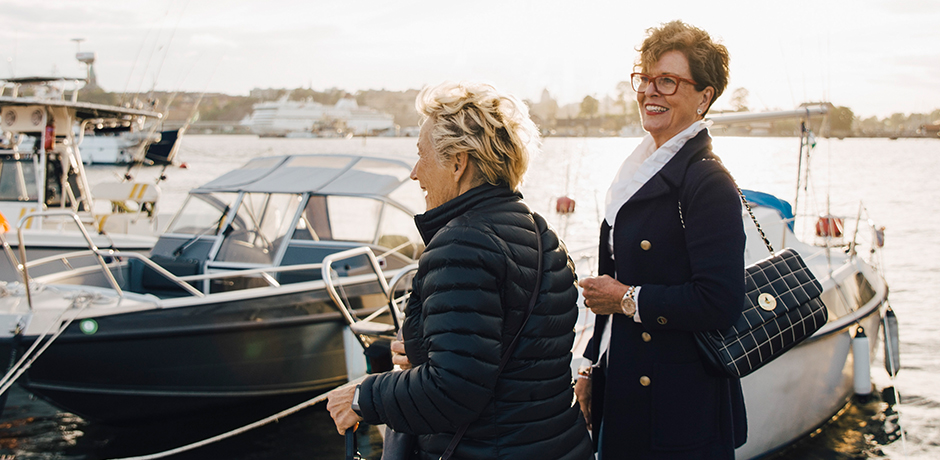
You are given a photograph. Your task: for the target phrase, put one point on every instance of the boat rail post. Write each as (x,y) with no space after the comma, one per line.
(8,250)
(327,275)
(81,228)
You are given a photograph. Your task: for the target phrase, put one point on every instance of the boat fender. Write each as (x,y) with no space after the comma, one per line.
(892,350)
(862,364)
(880,237)
(829,226)
(564,205)
(49,137)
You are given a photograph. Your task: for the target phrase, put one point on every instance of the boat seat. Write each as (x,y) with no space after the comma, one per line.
(151,280)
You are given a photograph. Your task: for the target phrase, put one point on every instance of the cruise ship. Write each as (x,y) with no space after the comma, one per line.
(285,118)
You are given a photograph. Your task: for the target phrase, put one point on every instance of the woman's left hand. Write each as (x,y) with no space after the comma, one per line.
(340,406)
(602,294)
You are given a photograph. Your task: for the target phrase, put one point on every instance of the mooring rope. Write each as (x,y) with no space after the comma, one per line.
(29,357)
(237,431)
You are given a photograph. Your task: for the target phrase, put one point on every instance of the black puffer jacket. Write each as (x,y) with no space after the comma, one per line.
(470,294)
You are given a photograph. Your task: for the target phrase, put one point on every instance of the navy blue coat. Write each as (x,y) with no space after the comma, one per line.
(656,398)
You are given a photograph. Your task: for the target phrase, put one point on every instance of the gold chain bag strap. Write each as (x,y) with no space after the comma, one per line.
(782,307)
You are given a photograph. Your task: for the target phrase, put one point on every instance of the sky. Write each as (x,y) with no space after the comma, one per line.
(877,57)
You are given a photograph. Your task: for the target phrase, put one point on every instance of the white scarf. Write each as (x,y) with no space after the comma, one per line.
(645,161)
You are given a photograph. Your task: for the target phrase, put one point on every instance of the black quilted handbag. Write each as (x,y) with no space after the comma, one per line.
(781,309)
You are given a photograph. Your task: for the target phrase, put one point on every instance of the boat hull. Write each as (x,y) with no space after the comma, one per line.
(804,388)
(143,366)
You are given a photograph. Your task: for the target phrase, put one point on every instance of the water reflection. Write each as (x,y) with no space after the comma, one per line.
(32,429)
(862,429)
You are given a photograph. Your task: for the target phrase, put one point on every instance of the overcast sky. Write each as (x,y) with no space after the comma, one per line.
(876,57)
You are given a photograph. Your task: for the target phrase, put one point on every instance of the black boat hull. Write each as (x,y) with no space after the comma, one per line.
(172,362)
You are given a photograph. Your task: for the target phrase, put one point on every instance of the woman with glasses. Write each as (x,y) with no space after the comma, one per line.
(671,263)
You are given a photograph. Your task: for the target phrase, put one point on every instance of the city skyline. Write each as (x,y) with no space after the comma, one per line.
(873,56)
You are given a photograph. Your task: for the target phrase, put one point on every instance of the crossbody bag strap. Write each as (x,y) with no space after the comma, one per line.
(743,200)
(512,345)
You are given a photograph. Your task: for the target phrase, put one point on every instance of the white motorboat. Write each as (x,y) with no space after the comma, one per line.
(243,300)
(802,390)
(42,172)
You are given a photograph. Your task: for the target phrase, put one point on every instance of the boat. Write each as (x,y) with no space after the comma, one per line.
(803,389)
(237,304)
(130,145)
(308,119)
(142,142)
(43,180)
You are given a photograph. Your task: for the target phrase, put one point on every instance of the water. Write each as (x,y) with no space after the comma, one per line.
(896,182)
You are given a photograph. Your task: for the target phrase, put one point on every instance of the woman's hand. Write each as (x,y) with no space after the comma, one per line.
(398,355)
(582,390)
(602,294)
(340,406)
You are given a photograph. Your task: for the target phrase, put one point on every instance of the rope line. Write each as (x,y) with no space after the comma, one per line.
(29,357)
(237,431)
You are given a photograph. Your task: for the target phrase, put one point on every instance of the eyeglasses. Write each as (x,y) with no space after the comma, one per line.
(667,85)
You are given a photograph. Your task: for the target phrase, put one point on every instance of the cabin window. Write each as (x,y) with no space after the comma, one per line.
(202,214)
(18,180)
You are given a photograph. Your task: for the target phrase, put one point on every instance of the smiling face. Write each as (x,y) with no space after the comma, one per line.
(438,181)
(665,116)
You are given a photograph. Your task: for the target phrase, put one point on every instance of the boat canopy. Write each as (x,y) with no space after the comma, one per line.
(316,174)
(770,201)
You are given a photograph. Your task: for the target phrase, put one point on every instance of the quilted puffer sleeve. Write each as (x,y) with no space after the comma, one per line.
(461,274)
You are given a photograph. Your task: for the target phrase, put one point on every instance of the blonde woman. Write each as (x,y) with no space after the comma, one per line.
(471,292)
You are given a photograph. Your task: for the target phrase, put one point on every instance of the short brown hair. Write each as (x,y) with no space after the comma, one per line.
(708,60)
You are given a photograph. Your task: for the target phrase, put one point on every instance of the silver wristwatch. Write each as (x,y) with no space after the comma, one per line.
(355,402)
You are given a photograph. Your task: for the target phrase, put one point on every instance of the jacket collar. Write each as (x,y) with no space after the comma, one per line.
(673,172)
(432,221)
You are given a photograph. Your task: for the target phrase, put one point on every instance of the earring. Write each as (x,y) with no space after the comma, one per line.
(699,111)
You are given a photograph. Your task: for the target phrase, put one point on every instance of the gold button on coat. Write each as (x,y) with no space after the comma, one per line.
(645,245)
(645,381)
(661,320)
(646,336)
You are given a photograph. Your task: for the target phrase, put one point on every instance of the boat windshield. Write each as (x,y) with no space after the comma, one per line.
(202,214)
(261,223)
(18,180)
(361,220)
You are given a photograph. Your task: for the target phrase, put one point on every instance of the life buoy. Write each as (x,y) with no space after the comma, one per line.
(4,225)
(564,205)
(829,226)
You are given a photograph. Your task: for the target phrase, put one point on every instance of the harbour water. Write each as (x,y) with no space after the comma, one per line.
(894,180)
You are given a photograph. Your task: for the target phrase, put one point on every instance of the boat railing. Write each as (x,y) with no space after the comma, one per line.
(23,268)
(367,327)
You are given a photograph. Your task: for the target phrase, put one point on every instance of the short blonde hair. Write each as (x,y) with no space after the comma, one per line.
(492,127)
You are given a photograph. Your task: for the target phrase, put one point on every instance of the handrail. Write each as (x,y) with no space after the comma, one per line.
(81,227)
(252,271)
(393,285)
(327,275)
(179,281)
